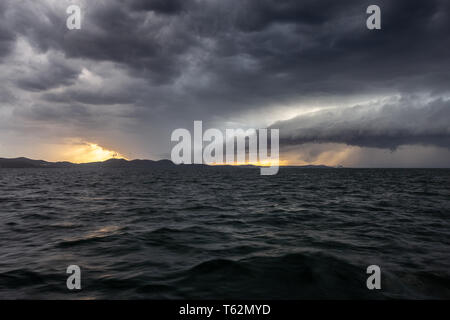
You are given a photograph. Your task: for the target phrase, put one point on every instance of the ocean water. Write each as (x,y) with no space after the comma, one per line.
(222,233)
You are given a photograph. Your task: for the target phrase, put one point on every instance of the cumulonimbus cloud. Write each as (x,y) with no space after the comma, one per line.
(146,67)
(400,121)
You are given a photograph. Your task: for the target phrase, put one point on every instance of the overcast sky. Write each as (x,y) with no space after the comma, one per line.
(137,70)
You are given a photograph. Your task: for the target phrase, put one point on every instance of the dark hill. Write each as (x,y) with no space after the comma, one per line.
(119,163)
(111,163)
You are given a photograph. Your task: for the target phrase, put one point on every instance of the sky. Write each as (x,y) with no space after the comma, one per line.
(339,93)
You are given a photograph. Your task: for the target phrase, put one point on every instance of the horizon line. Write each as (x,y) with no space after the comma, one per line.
(224,164)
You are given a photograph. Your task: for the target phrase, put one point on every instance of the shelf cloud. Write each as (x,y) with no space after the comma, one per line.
(389,124)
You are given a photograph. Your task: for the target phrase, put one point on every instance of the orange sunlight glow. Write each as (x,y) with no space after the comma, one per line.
(265,163)
(90,152)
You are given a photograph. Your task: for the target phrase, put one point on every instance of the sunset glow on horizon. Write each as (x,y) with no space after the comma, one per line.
(90,152)
(266,163)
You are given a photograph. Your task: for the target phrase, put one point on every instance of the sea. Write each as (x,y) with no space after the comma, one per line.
(224,233)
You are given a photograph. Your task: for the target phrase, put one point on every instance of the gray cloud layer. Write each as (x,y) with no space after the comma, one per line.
(389,125)
(156,65)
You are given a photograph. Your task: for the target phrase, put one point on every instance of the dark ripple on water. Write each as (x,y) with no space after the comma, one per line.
(225,233)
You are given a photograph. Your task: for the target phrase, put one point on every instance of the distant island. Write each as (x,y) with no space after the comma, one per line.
(22,163)
(111,163)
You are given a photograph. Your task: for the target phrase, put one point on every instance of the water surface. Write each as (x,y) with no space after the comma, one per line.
(224,233)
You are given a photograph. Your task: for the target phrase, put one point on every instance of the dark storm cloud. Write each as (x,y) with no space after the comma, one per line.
(161,6)
(176,61)
(41,25)
(151,48)
(46,76)
(91,98)
(297,48)
(68,113)
(255,15)
(7,36)
(402,122)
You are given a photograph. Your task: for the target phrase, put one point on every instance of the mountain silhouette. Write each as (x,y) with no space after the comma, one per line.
(111,163)
(119,163)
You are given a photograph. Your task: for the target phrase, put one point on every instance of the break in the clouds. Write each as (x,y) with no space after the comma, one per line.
(139,69)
